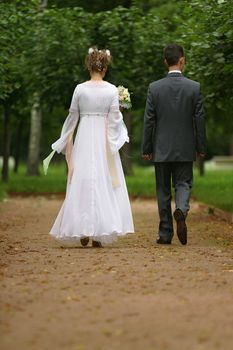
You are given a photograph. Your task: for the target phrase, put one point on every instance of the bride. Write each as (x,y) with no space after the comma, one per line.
(96,205)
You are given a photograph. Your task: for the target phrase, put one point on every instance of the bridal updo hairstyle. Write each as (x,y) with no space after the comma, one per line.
(98,60)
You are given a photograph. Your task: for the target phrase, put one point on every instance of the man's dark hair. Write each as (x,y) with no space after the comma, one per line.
(172,54)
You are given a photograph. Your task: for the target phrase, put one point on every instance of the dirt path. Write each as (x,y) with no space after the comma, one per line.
(133,294)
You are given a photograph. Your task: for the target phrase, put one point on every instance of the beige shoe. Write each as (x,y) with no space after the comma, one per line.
(84,241)
(96,244)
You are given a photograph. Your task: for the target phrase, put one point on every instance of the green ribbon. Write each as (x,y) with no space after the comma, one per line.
(46,162)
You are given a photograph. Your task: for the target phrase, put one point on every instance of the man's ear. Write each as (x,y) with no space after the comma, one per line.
(182,61)
(165,62)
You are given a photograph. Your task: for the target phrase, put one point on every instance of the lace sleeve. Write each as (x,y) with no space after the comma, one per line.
(63,144)
(117,133)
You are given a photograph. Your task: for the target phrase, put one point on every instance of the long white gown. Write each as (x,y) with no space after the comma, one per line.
(96,203)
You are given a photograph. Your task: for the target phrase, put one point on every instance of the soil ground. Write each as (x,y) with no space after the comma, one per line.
(133,294)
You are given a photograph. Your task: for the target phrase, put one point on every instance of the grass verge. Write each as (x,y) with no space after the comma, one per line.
(215,188)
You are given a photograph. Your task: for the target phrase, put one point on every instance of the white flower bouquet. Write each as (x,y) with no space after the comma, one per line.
(124,97)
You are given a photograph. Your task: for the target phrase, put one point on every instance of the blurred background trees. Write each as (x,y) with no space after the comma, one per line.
(208,38)
(44,43)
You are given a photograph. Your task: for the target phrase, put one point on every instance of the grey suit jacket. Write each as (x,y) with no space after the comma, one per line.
(174,120)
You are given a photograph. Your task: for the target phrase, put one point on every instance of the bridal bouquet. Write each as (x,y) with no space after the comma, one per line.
(124,97)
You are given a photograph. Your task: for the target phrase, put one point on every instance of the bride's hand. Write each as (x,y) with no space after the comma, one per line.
(70,172)
(69,166)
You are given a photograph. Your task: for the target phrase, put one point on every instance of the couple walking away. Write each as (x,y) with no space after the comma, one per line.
(96,205)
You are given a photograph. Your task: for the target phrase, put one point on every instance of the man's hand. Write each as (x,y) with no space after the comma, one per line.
(147,156)
(201,155)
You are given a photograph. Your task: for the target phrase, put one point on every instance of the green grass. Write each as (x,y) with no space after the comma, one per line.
(2,192)
(53,182)
(142,182)
(215,188)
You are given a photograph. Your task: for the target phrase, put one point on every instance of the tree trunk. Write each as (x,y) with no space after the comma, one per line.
(125,153)
(43,4)
(36,123)
(35,134)
(231,145)
(6,142)
(18,144)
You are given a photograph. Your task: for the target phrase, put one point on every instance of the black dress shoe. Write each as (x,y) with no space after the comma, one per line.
(160,240)
(181,226)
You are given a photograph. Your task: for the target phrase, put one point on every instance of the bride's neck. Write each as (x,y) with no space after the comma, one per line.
(96,76)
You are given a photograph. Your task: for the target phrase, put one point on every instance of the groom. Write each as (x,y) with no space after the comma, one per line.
(174,131)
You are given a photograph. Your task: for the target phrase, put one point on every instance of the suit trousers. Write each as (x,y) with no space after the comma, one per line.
(181,176)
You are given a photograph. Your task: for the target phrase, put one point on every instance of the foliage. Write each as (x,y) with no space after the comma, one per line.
(15,21)
(91,5)
(209,44)
(138,59)
(148,62)
(44,51)
(209,39)
(56,47)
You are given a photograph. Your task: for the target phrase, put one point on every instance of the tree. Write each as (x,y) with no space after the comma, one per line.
(91,5)
(42,54)
(209,40)
(136,58)
(36,116)
(54,59)
(13,21)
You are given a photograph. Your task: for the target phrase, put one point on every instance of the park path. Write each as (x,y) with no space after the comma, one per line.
(133,294)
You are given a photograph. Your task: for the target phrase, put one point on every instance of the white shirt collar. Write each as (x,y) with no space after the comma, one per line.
(174,71)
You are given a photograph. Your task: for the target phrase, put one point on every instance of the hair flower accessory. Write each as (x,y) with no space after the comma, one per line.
(108,52)
(90,50)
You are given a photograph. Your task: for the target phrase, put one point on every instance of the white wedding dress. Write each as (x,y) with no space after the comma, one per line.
(96,203)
